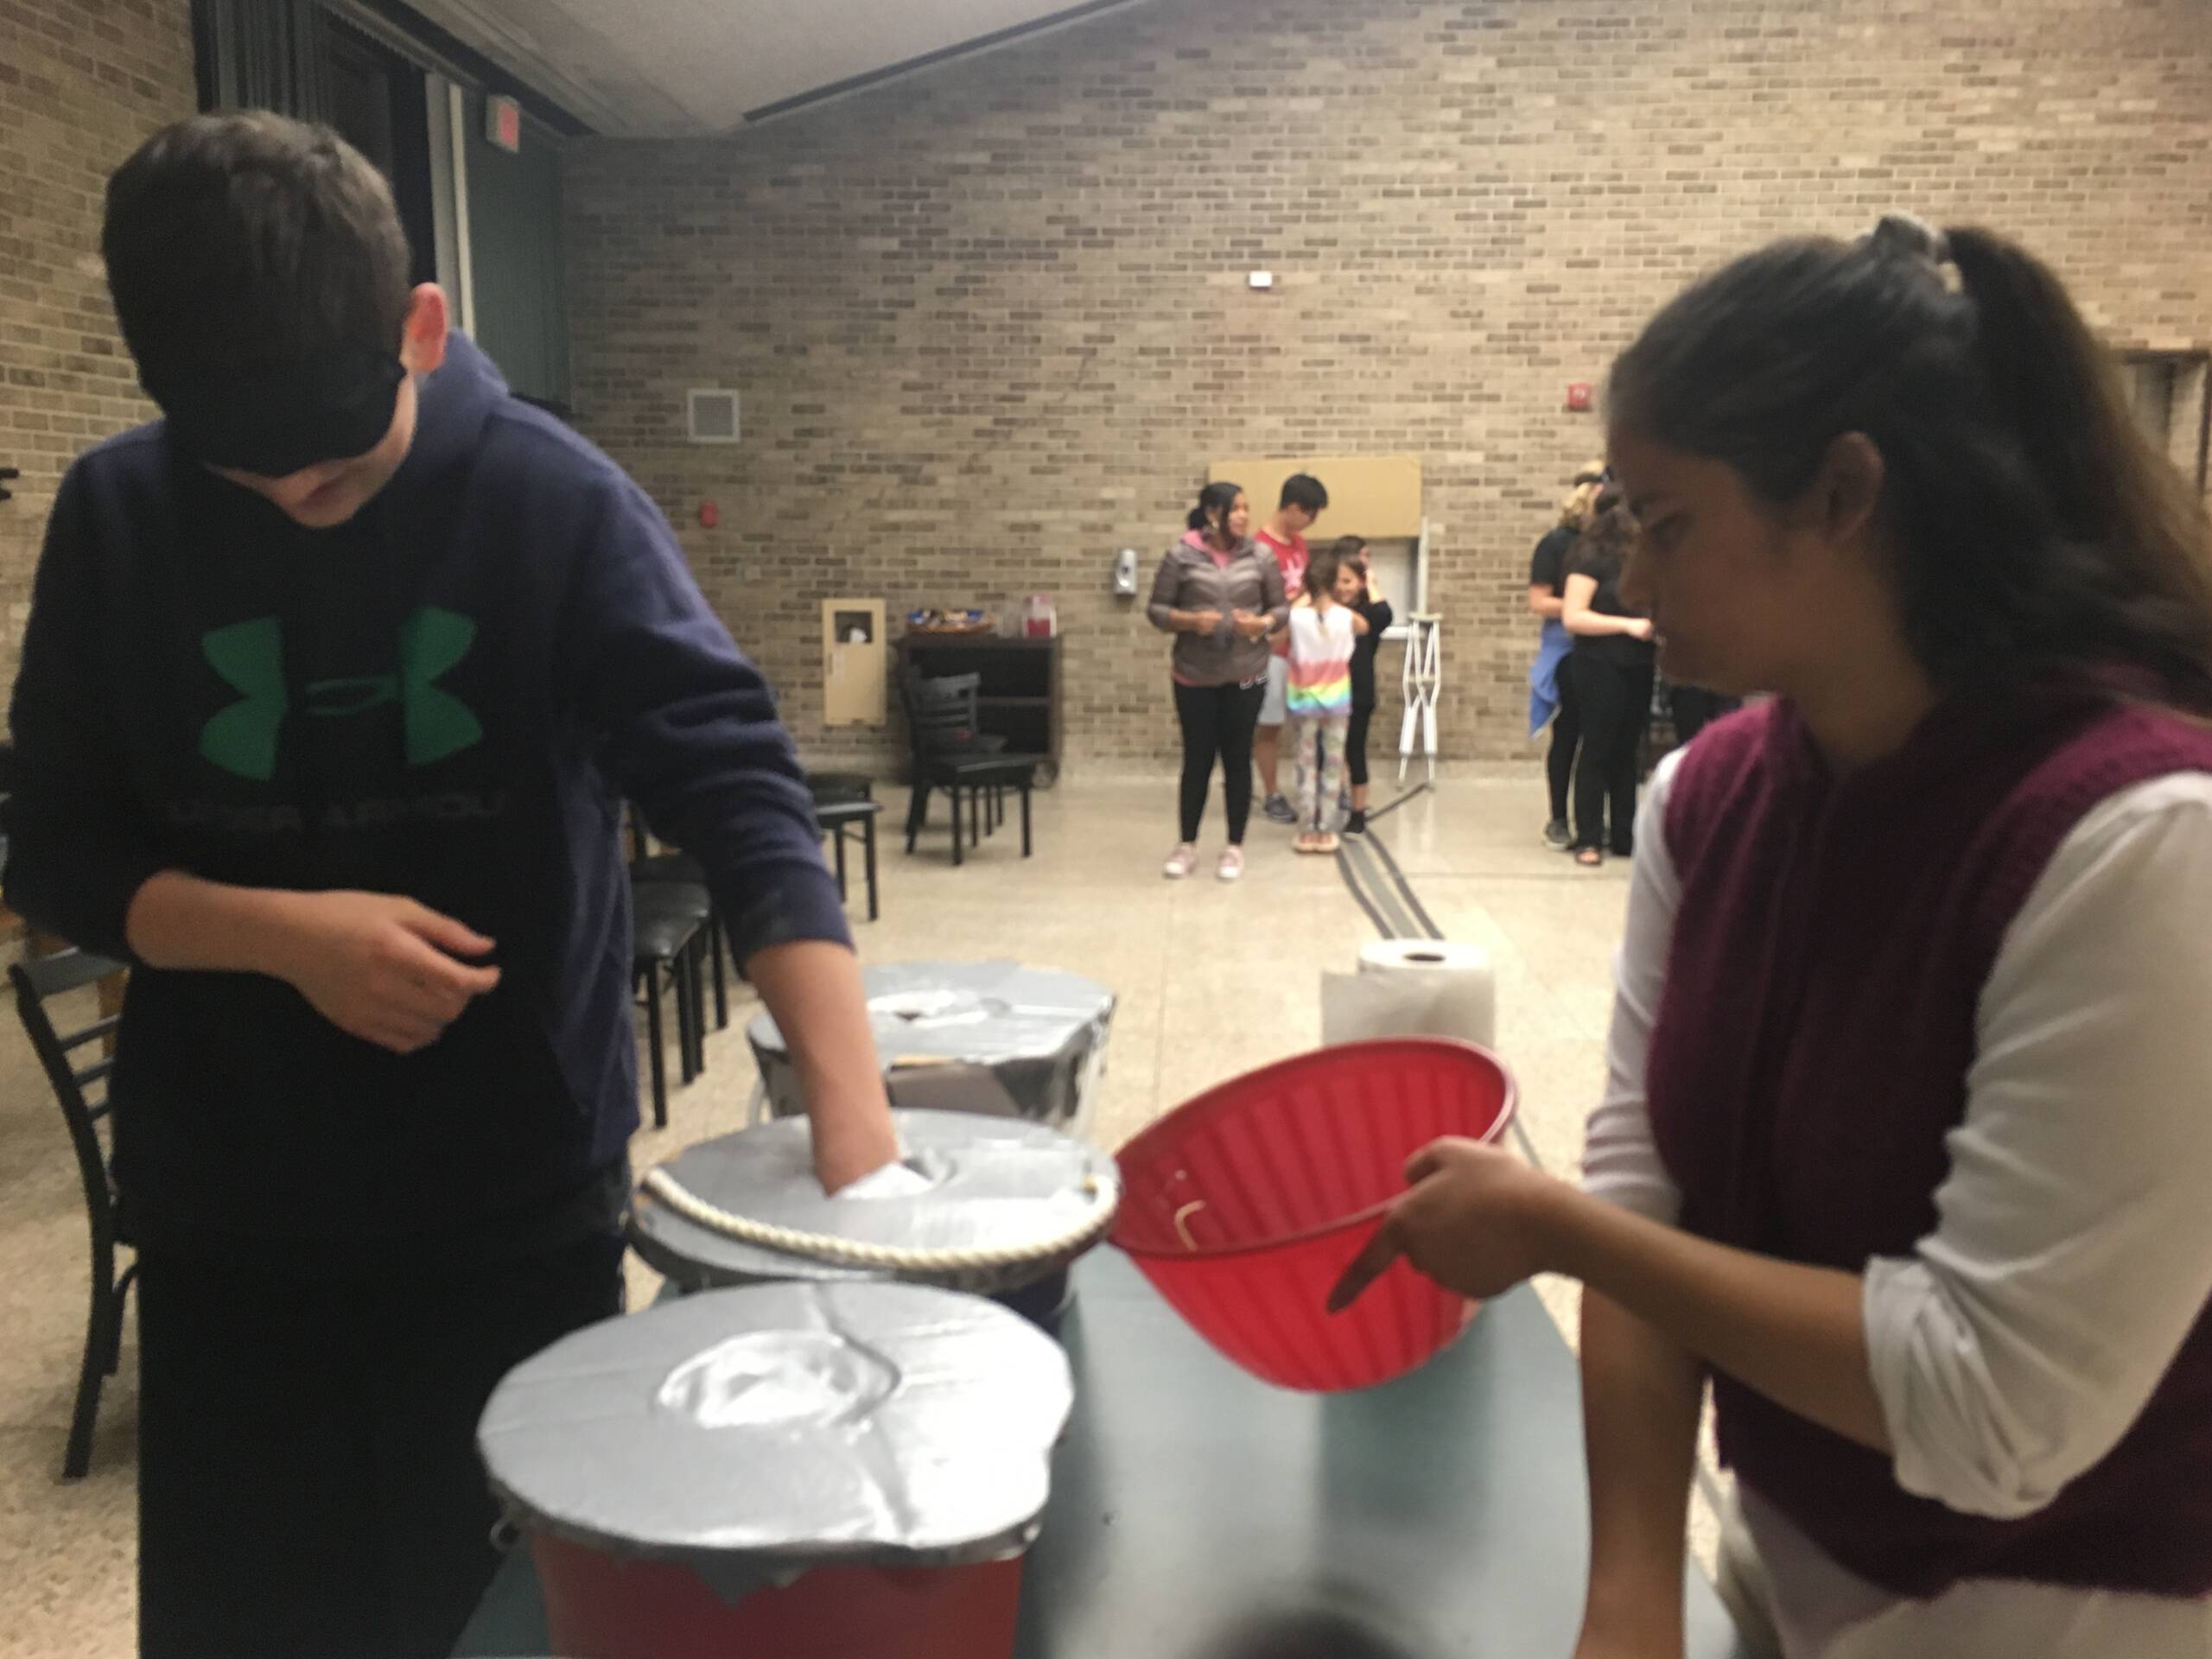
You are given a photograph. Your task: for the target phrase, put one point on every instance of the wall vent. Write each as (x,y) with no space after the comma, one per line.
(711,417)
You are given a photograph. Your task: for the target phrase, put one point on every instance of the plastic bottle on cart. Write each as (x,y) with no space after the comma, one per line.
(1040,620)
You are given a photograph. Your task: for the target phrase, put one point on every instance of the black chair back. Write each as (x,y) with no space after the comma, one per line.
(82,1089)
(945,711)
(950,750)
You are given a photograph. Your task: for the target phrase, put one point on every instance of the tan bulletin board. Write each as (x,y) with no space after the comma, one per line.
(853,660)
(1375,496)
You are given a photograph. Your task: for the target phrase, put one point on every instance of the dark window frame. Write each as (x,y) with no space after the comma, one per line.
(2186,363)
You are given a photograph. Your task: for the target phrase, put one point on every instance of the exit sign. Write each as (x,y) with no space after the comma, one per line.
(503,123)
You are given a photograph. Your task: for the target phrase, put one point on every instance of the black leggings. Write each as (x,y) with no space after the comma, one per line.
(1356,744)
(1616,700)
(1217,722)
(1566,738)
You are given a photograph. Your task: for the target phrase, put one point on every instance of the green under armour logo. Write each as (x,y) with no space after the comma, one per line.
(250,656)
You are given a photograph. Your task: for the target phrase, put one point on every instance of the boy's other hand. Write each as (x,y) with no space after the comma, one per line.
(382,968)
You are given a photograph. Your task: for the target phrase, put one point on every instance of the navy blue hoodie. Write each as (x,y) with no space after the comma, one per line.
(446,697)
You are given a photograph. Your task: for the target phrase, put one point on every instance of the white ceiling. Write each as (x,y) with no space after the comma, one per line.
(665,68)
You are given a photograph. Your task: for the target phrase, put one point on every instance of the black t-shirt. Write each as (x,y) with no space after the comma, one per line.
(1548,567)
(1379,615)
(1606,570)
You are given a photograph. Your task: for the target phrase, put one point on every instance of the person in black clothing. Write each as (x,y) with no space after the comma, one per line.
(1551,685)
(1612,666)
(1356,587)
(335,680)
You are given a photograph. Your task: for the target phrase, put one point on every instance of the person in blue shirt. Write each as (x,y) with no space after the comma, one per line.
(335,681)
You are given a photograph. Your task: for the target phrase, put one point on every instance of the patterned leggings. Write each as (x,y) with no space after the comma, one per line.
(1318,744)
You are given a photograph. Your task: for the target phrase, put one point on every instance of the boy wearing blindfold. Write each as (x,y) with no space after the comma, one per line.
(334,680)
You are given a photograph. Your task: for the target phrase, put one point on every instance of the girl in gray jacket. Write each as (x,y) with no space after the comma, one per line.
(1219,596)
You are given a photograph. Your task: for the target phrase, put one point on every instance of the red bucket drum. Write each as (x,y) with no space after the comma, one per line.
(825,1470)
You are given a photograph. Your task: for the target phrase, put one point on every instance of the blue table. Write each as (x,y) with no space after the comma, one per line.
(1199,1514)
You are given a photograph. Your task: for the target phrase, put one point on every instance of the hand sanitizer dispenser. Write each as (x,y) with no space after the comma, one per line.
(1125,572)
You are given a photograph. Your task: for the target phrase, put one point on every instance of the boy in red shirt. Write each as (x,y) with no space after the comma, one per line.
(1303,501)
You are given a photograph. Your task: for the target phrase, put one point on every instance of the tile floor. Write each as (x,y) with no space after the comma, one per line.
(1213,979)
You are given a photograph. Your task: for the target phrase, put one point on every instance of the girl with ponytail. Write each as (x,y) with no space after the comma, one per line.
(1907,1137)
(1219,596)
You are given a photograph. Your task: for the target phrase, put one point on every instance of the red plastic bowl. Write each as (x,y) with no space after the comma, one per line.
(1244,1205)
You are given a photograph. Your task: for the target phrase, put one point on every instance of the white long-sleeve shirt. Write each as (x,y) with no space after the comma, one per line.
(2072,1247)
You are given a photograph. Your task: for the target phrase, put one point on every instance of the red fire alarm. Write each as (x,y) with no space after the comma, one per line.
(709,515)
(1577,396)
(503,122)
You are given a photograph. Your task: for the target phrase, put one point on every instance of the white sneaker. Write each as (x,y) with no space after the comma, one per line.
(1231,865)
(1181,862)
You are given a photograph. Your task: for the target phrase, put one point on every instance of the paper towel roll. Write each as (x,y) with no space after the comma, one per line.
(1413,988)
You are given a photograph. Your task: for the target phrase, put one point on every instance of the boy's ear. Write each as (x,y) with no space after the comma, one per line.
(423,337)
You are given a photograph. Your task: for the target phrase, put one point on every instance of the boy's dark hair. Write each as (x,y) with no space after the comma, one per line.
(1303,490)
(250,242)
(1322,570)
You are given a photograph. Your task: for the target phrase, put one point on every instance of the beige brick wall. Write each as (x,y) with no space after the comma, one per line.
(82,83)
(990,322)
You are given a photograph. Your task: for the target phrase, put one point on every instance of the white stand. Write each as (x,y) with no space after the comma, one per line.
(1424,679)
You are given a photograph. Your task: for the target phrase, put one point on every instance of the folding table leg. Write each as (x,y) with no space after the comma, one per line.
(721,986)
(654,1039)
(695,950)
(682,972)
(867,855)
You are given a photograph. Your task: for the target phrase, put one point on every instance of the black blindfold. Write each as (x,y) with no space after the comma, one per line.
(273,425)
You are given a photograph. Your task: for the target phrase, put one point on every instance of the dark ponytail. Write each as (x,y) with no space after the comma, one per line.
(2036,528)
(2128,563)
(1212,500)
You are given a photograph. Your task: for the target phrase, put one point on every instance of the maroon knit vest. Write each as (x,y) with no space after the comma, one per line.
(1811,1053)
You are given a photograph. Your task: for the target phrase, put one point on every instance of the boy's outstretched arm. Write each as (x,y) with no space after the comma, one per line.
(688,732)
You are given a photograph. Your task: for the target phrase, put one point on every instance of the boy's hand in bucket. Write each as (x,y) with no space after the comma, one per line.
(1477,1221)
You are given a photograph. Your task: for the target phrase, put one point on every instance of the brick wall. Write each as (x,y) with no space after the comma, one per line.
(82,83)
(990,322)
